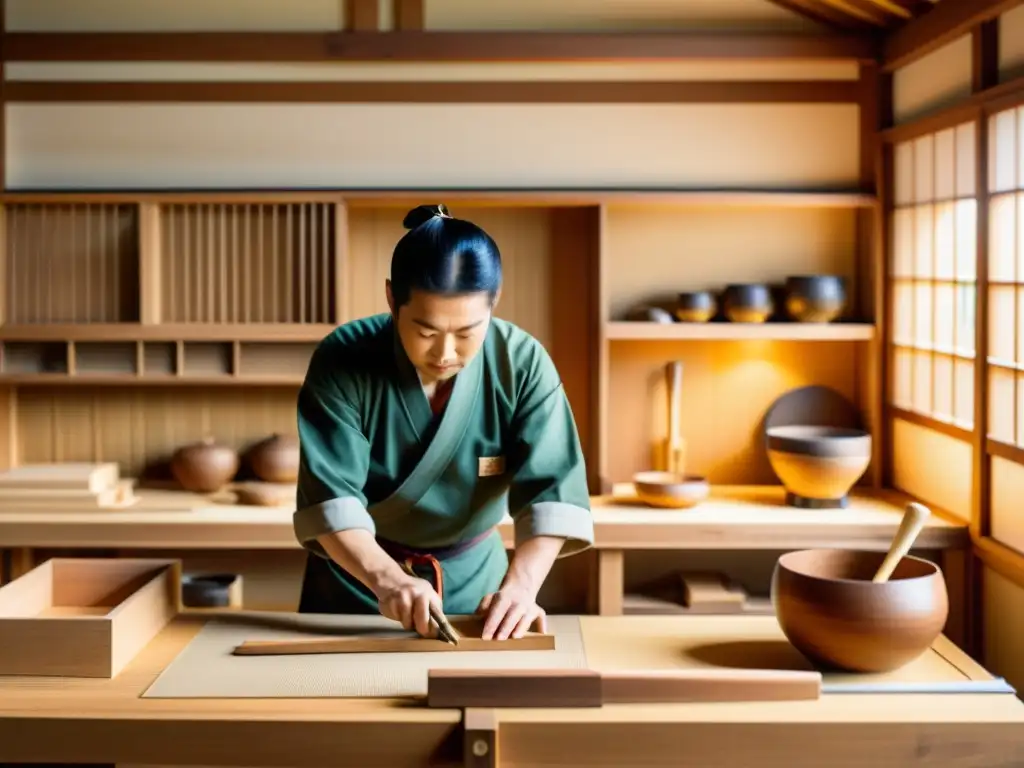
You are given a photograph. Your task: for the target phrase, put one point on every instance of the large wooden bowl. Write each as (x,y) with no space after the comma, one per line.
(820,463)
(669,490)
(833,613)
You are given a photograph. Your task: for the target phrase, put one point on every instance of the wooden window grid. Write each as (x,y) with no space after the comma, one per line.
(933,269)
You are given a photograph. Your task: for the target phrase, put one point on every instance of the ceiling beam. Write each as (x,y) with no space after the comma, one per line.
(428,46)
(822,14)
(942,24)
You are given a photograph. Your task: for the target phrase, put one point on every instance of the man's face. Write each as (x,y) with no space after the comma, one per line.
(441,334)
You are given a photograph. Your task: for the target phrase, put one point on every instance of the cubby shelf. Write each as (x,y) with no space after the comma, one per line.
(254,332)
(648,331)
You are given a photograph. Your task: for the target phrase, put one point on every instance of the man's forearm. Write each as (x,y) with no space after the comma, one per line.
(532,561)
(357,551)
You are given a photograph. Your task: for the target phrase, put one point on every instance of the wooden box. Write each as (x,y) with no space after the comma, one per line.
(85,617)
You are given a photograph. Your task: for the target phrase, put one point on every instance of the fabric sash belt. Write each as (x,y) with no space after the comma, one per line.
(432,556)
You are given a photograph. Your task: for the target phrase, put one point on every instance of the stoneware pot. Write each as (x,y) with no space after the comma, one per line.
(276,459)
(818,463)
(204,467)
(669,490)
(748,302)
(207,591)
(696,306)
(831,611)
(815,298)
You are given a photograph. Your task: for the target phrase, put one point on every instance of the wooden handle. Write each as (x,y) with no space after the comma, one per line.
(914,518)
(675,434)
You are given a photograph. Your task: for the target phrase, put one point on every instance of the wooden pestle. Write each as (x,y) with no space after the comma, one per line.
(913,521)
(675,458)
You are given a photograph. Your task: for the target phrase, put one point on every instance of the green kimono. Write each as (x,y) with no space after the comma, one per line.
(434,488)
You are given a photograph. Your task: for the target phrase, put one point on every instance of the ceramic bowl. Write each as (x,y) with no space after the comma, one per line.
(815,298)
(818,462)
(669,490)
(831,611)
(696,306)
(748,302)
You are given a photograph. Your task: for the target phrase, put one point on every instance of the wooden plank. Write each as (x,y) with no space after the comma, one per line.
(937,27)
(409,14)
(501,92)
(428,46)
(362,15)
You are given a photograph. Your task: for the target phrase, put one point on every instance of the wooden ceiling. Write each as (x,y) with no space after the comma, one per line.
(859,15)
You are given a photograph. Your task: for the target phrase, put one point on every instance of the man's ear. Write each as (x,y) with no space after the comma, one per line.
(497,298)
(390,296)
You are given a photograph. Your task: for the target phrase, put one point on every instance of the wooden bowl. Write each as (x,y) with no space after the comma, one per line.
(818,463)
(696,307)
(815,298)
(831,611)
(668,490)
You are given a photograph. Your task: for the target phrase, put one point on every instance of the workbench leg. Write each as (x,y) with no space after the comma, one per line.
(610,582)
(480,738)
(954,570)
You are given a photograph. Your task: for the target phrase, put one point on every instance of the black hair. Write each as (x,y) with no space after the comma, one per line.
(445,255)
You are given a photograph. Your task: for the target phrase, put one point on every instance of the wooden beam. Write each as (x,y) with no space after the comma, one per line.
(409,15)
(822,14)
(944,23)
(428,46)
(362,15)
(502,92)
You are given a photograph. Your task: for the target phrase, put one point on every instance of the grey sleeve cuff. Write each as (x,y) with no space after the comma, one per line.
(557,518)
(329,516)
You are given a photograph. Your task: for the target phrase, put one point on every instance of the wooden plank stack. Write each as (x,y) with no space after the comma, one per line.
(65,487)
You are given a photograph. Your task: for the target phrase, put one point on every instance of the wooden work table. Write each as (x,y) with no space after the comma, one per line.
(107,721)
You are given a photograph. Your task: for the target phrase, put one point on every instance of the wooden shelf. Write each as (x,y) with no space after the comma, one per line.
(254,332)
(647,331)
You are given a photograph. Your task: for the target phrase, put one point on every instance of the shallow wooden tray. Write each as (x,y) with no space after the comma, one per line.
(85,617)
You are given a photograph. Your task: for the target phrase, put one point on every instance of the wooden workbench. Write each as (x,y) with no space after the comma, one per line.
(106,721)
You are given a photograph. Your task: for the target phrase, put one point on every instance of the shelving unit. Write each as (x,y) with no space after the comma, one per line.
(133,297)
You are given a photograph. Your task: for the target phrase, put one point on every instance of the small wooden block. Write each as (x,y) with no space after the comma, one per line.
(711,592)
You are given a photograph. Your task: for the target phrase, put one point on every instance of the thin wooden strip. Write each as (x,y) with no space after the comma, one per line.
(261,287)
(276,266)
(302,264)
(410,15)
(325,265)
(289,264)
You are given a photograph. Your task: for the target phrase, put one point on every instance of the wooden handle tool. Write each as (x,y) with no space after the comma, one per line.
(445,630)
(914,518)
(455,688)
(675,461)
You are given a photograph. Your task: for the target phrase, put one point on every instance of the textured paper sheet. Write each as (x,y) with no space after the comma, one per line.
(206,668)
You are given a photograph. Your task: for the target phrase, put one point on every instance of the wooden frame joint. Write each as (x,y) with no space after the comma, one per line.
(480,738)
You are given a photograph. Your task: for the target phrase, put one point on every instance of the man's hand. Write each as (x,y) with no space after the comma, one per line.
(407,599)
(510,612)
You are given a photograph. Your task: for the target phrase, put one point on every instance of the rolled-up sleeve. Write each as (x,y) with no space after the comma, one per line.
(548,494)
(333,464)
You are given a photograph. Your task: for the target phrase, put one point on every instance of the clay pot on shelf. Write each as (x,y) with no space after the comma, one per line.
(815,298)
(669,490)
(748,302)
(696,307)
(831,611)
(264,495)
(818,465)
(276,459)
(204,467)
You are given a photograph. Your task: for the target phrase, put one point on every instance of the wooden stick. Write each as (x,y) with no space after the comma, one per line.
(913,521)
(453,688)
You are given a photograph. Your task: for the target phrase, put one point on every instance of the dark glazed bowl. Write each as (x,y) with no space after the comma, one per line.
(696,307)
(831,611)
(815,298)
(748,302)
